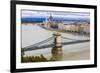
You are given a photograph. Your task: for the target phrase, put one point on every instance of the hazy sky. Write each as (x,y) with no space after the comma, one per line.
(32,13)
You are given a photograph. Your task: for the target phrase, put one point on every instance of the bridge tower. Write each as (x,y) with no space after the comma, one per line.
(57,53)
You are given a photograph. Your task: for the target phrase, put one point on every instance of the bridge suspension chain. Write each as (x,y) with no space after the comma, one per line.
(69,38)
(44,41)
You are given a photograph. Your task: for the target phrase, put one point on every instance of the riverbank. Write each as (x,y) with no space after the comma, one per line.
(65,31)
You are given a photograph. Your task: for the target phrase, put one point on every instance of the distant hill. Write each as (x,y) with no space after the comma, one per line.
(41,19)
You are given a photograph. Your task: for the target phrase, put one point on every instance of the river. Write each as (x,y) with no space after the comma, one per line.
(32,33)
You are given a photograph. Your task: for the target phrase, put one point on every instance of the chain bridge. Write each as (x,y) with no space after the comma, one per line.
(49,42)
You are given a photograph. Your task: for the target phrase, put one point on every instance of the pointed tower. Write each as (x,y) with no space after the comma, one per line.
(50,18)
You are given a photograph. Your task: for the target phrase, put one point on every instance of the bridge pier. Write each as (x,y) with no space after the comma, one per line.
(57,52)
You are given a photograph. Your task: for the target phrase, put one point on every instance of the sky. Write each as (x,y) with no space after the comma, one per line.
(58,14)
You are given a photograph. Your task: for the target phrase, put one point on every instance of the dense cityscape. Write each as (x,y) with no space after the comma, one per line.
(77,27)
